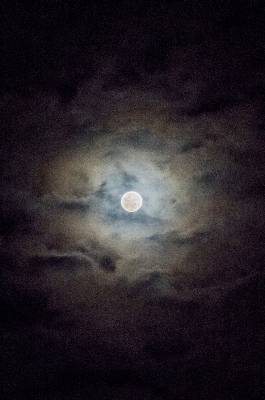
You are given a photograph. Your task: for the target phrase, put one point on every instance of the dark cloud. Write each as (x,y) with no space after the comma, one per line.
(129,180)
(122,78)
(177,239)
(213,105)
(143,138)
(107,264)
(188,146)
(141,218)
(70,205)
(70,263)
(152,284)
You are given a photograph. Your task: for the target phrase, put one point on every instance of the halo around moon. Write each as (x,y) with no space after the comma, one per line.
(131,201)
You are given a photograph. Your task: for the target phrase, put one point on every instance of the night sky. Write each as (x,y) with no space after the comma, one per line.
(165,98)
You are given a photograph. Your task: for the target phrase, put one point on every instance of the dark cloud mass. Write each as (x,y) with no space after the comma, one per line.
(166,99)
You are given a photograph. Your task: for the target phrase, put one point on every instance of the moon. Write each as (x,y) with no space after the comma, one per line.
(131,201)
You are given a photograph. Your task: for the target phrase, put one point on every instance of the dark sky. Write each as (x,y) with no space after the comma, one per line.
(166,99)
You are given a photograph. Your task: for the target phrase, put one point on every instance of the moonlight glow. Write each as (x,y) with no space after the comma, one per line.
(131,201)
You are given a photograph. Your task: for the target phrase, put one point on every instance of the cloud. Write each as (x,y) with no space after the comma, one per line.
(156,303)
(184,147)
(74,204)
(213,105)
(107,264)
(71,263)
(175,238)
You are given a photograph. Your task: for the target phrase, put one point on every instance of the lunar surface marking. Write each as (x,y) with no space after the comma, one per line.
(131,201)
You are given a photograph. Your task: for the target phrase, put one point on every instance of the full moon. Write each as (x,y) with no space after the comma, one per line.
(131,201)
